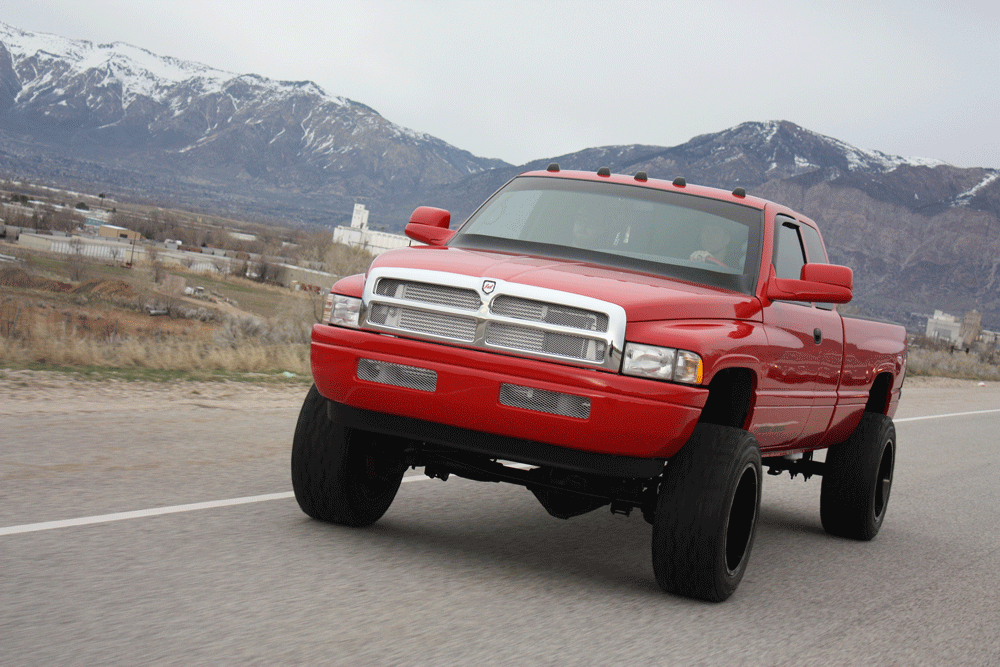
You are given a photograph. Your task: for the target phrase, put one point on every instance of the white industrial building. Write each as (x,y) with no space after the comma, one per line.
(944,327)
(358,234)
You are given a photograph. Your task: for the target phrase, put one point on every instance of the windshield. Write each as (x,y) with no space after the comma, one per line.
(641,228)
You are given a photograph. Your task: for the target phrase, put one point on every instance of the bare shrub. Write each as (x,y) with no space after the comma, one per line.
(345,260)
(239,331)
(76,263)
(156,264)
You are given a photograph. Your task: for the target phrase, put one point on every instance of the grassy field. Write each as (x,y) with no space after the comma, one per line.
(240,329)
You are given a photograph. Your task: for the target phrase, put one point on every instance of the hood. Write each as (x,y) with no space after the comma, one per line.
(644,297)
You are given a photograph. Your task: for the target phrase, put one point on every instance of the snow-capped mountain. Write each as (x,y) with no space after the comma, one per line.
(755,154)
(920,234)
(117,102)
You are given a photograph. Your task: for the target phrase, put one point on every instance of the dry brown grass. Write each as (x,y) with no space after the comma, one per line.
(43,346)
(958,364)
(34,333)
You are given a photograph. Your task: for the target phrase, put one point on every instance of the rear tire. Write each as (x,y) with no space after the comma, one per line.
(857,479)
(341,474)
(706,513)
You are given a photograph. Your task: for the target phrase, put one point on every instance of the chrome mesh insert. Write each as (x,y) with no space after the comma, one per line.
(443,295)
(542,400)
(550,313)
(419,321)
(397,375)
(528,339)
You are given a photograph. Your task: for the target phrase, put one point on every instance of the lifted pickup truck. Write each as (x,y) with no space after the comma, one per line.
(607,340)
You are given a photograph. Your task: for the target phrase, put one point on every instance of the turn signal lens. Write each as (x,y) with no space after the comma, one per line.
(688,369)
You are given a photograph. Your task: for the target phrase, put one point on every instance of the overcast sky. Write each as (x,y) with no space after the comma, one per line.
(526,80)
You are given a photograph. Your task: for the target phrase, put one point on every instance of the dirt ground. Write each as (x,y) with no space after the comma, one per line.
(23,391)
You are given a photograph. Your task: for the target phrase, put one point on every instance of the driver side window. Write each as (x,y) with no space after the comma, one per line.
(788,255)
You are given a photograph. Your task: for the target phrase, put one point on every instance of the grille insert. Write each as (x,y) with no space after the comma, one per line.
(419,321)
(529,339)
(442,295)
(542,400)
(397,375)
(550,313)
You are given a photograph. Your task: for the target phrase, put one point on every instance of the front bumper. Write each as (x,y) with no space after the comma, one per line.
(631,417)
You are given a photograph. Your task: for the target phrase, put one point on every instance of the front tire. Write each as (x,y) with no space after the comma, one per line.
(706,513)
(341,474)
(857,479)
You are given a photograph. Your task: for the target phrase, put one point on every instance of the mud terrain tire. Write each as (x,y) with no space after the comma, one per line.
(340,474)
(706,513)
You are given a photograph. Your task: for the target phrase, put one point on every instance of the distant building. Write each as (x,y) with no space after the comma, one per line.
(972,327)
(964,332)
(116,232)
(358,234)
(943,326)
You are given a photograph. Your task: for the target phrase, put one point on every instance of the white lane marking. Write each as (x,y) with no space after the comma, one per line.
(951,414)
(157,511)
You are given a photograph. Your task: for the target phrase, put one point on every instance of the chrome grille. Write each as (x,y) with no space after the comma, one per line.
(495,314)
(542,400)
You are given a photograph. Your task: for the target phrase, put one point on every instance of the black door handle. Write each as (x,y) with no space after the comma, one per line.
(817,336)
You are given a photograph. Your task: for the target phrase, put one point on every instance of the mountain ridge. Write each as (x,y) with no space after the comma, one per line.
(921,234)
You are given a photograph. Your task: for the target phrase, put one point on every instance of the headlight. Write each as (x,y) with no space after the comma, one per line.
(341,310)
(662,363)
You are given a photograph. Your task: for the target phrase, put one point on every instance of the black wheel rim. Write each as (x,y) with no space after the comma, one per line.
(883,482)
(742,517)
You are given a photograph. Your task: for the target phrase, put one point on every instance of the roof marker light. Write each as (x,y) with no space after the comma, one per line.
(553,167)
(641,176)
(680,182)
(603,171)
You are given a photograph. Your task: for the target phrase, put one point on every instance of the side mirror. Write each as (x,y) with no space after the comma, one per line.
(823,283)
(429,225)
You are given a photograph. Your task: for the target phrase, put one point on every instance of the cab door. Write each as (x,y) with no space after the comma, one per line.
(798,391)
(829,351)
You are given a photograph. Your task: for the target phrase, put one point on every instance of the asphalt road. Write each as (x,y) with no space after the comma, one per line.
(456,573)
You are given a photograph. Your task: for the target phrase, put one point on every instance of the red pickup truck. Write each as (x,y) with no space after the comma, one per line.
(613,340)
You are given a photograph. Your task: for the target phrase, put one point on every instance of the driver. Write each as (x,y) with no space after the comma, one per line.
(715,241)
(590,230)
